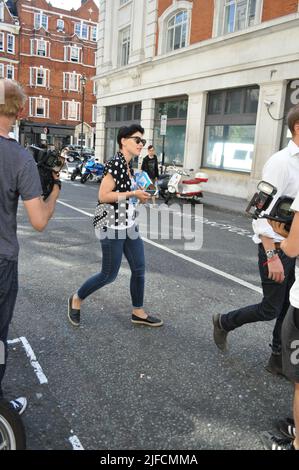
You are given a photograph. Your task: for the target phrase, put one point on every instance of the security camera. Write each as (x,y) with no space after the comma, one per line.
(268,103)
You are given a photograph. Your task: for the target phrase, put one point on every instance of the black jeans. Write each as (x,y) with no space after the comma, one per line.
(8,295)
(275,301)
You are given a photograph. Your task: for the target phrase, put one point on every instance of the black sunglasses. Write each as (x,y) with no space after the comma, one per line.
(138,140)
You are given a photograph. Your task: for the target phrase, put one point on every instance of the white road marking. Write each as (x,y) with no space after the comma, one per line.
(74,440)
(32,357)
(76,444)
(186,258)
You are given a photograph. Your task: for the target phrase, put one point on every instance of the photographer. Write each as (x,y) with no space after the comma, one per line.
(18,177)
(290,341)
(276,268)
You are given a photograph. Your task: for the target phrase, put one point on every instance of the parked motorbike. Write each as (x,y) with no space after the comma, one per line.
(93,171)
(181,183)
(77,171)
(12,433)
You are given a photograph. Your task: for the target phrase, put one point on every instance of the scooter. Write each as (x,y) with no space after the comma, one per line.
(77,171)
(93,171)
(12,433)
(181,183)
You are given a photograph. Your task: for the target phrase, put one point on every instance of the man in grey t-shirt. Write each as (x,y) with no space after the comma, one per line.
(18,177)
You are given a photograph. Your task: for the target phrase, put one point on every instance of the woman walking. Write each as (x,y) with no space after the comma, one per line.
(118,231)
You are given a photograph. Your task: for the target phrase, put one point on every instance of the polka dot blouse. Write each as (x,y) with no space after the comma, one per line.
(117,167)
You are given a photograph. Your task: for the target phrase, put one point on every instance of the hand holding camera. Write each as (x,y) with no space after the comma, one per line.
(49,163)
(281,213)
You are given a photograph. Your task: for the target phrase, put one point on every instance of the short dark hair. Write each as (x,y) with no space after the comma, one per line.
(150,147)
(293,118)
(127,131)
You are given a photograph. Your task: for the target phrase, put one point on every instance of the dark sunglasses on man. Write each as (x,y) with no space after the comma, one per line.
(138,140)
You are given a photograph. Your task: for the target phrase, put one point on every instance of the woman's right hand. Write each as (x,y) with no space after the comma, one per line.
(141,195)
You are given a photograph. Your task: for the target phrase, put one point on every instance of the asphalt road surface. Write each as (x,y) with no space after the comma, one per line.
(112,385)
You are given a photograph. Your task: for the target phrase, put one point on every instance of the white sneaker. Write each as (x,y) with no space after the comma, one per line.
(19,405)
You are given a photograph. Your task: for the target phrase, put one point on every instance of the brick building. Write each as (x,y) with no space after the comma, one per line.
(56,48)
(224,72)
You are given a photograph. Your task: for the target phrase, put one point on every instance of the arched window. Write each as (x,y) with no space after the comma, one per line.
(177,28)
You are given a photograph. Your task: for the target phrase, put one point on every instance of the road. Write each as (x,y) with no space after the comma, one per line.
(110,385)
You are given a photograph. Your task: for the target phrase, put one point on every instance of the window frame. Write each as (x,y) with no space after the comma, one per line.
(59,28)
(174,28)
(38,24)
(3,41)
(170,12)
(33,107)
(67,81)
(13,43)
(227,120)
(66,113)
(122,44)
(2,14)
(12,68)
(219,17)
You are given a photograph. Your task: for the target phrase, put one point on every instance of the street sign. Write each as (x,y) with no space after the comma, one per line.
(163,127)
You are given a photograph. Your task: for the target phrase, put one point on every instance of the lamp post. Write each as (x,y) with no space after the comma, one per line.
(83,81)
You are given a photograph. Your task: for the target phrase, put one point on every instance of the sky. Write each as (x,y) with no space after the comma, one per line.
(66,4)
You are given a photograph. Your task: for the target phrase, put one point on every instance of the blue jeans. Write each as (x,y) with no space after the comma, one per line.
(127,242)
(8,295)
(275,301)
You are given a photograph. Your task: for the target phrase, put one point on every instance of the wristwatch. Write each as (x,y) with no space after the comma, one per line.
(58,182)
(271,253)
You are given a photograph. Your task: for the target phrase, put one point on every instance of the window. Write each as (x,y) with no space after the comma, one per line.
(71,81)
(71,110)
(177,31)
(72,54)
(2,71)
(81,30)
(10,72)
(39,77)
(95,88)
(176,110)
(238,15)
(40,20)
(39,107)
(124,46)
(93,33)
(1,41)
(94,113)
(230,129)
(60,25)
(10,44)
(115,118)
(40,47)
(2,11)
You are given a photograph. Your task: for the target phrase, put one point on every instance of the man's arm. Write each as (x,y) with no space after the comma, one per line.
(40,211)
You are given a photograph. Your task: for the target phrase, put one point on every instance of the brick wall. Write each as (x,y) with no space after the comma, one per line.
(202,20)
(276,8)
(57,40)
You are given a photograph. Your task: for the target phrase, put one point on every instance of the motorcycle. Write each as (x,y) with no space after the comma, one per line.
(77,171)
(12,433)
(93,171)
(183,184)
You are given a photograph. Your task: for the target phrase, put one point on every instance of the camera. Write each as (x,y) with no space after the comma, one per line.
(261,200)
(47,161)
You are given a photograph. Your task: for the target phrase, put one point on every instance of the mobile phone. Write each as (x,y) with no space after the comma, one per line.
(152,192)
